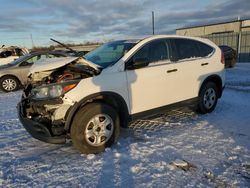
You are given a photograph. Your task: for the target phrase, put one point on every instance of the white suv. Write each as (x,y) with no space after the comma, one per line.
(88,99)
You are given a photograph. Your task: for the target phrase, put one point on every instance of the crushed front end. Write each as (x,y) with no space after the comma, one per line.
(43,107)
(35,119)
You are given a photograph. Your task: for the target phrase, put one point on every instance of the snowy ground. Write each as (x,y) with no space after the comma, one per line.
(216,147)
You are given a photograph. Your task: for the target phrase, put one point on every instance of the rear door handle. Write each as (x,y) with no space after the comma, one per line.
(203,64)
(173,70)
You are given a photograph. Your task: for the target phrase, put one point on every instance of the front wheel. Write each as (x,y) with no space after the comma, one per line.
(95,127)
(9,83)
(208,98)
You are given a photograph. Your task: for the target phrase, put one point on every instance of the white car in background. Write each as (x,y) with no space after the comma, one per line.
(10,54)
(88,99)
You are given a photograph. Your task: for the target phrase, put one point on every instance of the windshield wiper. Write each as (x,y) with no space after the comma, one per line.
(76,53)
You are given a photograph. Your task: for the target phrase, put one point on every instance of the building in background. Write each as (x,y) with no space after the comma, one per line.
(235,34)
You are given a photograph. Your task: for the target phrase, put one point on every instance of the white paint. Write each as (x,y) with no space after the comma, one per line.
(151,87)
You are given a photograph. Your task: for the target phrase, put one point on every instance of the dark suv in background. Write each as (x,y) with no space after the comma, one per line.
(230,56)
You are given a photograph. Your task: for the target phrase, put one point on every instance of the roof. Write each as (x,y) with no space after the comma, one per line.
(169,36)
(211,24)
(155,37)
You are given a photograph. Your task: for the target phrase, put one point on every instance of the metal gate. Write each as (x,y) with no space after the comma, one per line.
(239,42)
(244,55)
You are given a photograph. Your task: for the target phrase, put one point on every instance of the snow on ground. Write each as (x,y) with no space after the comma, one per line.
(216,146)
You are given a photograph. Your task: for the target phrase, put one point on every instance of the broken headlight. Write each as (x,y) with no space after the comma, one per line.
(53,90)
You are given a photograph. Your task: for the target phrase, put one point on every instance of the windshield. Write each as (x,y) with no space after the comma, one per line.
(109,53)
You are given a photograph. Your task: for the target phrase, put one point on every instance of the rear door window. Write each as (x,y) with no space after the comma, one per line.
(186,49)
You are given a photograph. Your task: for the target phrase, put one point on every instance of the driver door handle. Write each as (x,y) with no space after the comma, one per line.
(172,70)
(203,64)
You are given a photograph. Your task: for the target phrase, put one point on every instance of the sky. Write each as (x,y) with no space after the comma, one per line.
(79,21)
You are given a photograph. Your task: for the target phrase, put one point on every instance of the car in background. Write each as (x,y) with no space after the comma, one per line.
(9,54)
(230,56)
(13,75)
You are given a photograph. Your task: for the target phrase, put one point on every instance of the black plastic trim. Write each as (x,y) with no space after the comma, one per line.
(49,101)
(38,130)
(152,112)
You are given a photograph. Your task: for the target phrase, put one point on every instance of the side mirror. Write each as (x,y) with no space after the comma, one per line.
(174,59)
(138,63)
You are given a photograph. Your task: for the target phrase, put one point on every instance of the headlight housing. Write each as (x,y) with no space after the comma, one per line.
(53,90)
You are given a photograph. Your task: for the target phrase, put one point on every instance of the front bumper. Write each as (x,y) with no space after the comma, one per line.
(38,130)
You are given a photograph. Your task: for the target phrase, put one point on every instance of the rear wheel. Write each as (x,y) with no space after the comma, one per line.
(9,83)
(95,127)
(208,98)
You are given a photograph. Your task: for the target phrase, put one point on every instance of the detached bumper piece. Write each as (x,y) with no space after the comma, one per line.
(38,130)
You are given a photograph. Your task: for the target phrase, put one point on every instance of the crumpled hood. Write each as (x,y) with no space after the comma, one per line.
(54,63)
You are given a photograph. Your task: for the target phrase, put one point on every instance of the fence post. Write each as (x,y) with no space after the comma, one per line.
(239,42)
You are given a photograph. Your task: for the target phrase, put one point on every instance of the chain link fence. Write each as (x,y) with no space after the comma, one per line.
(239,42)
(245,47)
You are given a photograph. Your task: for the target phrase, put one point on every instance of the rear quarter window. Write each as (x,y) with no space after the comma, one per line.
(205,50)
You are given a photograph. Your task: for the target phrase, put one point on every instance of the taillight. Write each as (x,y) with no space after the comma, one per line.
(222,60)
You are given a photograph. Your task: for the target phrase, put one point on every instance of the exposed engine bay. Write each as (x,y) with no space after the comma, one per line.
(43,98)
(76,69)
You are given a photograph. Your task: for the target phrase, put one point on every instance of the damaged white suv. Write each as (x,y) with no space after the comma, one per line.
(88,99)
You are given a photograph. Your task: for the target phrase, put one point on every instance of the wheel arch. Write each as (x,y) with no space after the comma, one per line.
(110,98)
(10,75)
(215,79)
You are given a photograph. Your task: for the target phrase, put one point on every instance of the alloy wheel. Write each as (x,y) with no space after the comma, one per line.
(99,130)
(9,84)
(209,98)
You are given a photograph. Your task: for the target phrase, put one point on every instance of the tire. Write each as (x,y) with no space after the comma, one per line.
(9,84)
(208,98)
(232,63)
(87,130)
